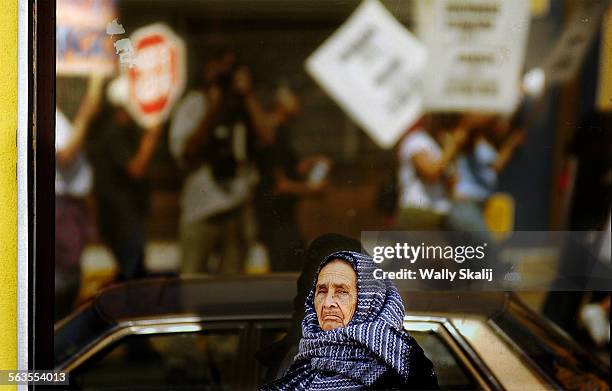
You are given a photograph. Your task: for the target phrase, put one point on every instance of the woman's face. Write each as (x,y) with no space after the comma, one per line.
(336,295)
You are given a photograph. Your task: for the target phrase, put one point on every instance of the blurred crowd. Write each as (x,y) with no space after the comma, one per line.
(242,179)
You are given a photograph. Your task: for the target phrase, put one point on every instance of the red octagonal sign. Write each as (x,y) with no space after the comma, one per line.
(158,78)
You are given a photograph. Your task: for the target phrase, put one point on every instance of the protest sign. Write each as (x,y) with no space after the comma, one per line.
(475,53)
(372,67)
(83,47)
(157,78)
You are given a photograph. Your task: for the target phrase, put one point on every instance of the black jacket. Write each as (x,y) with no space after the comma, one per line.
(422,374)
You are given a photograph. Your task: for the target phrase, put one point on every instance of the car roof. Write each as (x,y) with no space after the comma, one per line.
(272,297)
(262,295)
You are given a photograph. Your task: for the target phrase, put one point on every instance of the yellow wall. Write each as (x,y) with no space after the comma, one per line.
(8,185)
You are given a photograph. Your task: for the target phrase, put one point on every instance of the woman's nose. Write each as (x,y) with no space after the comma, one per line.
(329,300)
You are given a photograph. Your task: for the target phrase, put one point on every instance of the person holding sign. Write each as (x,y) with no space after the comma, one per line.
(121,153)
(73,182)
(425,161)
(284,178)
(487,152)
(212,133)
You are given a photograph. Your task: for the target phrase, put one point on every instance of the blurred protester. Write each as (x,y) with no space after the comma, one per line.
(589,215)
(73,182)
(488,149)
(121,153)
(425,157)
(212,134)
(595,317)
(581,312)
(346,309)
(283,179)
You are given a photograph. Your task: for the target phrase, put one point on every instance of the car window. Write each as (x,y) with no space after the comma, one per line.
(274,353)
(272,334)
(206,359)
(452,374)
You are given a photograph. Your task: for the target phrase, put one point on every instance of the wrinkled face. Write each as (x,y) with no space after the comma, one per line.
(335,295)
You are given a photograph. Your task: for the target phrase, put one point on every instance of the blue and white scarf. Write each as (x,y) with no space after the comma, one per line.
(352,357)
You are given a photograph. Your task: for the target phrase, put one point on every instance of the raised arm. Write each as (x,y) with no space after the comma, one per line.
(259,119)
(243,85)
(137,166)
(431,169)
(515,139)
(197,139)
(285,185)
(87,110)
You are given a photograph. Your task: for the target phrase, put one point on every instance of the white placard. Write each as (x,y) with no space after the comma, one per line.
(476,51)
(372,67)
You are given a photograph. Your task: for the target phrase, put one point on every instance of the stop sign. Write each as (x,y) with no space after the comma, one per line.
(158,78)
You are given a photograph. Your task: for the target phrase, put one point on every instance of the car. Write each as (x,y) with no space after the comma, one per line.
(204,332)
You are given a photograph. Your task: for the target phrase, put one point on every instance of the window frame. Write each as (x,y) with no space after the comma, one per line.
(458,346)
(40,161)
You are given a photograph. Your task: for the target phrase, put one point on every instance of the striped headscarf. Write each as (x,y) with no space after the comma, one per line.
(356,356)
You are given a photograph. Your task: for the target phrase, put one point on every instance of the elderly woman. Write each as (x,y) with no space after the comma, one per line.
(352,334)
